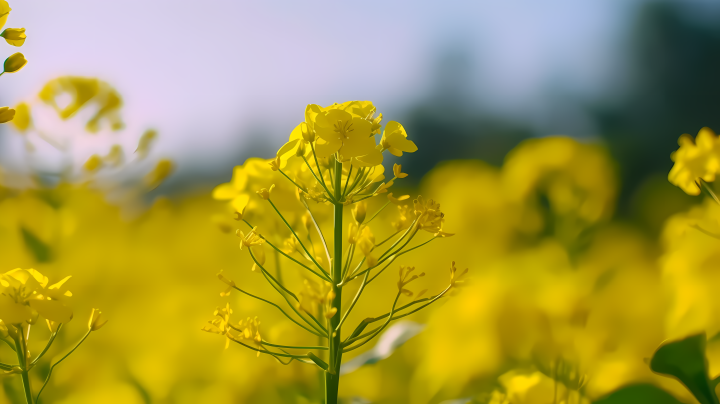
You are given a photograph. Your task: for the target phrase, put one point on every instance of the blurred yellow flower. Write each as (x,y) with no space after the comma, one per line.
(163,169)
(83,91)
(14,36)
(4,12)
(22,118)
(695,160)
(93,163)
(6,114)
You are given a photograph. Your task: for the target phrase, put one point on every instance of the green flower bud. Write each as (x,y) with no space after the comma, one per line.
(14,63)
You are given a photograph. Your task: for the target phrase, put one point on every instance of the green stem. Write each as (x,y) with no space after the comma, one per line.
(332,376)
(58,362)
(21,349)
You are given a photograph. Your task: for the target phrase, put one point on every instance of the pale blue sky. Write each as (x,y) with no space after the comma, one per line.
(208,74)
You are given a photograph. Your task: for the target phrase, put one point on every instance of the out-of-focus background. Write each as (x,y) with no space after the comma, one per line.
(222,81)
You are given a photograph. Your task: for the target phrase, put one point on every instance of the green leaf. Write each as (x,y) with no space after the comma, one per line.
(638,394)
(37,247)
(685,361)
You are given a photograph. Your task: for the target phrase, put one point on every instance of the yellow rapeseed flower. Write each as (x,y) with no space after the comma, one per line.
(4,12)
(25,294)
(395,140)
(14,36)
(22,120)
(694,160)
(342,132)
(6,114)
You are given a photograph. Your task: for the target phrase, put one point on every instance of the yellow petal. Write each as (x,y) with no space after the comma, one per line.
(52,310)
(224,192)
(13,313)
(6,114)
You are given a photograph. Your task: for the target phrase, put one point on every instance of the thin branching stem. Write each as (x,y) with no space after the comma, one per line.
(378,212)
(317,164)
(392,316)
(317,179)
(47,379)
(269,277)
(294,347)
(347,180)
(47,346)
(312,331)
(319,231)
(323,276)
(399,254)
(296,236)
(377,331)
(352,304)
(291,180)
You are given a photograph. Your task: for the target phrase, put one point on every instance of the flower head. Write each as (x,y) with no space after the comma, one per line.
(428,214)
(406,278)
(254,241)
(25,294)
(395,140)
(455,278)
(694,160)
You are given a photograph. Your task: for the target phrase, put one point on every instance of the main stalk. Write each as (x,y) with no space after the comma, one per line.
(332,377)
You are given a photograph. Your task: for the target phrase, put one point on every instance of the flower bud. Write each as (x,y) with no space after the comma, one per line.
(6,114)
(265,193)
(97,320)
(93,163)
(14,63)
(307,134)
(14,36)
(359,212)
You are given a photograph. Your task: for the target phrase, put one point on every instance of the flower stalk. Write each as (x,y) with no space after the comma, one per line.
(334,160)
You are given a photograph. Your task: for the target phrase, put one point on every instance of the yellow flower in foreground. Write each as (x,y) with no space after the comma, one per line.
(340,131)
(395,140)
(699,159)
(429,216)
(6,114)
(14,36)
(24,295)
(14,63)
(97,320)
(397,171)
(4,12)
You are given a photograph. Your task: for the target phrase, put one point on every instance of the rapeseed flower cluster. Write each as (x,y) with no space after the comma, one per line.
(331,160)
(25,296)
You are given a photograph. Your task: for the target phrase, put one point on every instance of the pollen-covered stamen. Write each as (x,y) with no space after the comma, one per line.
(343,128)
